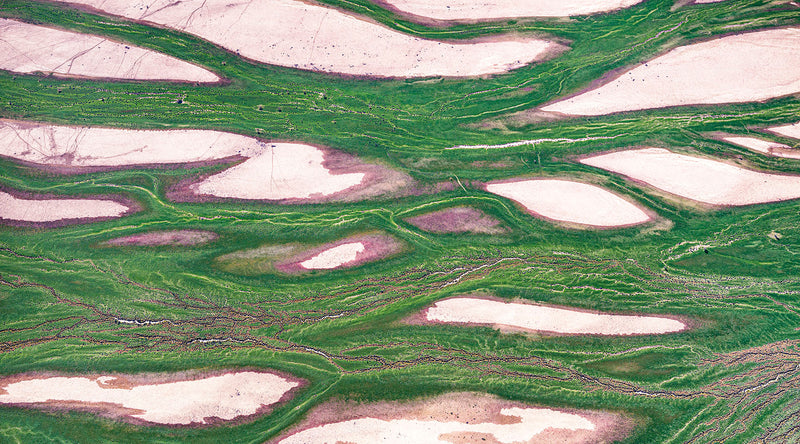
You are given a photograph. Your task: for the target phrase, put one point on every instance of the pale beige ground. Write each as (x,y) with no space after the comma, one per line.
(792,130)
(52,210)
(495,9)
(334,257)
(309,36)
(27,48)
(764,146)
(530,317)
(226,396)
(698,178)
(568,201)
(738,68)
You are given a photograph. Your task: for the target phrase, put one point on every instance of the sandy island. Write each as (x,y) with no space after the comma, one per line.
(523,316)
(572,202)
(791,131)
(747,67)
(764,146)
(311,36)
(28,48)
(344,253)
(697,178)
(498,9)
(454,418)
(153,399)
(19,209)
(457,220)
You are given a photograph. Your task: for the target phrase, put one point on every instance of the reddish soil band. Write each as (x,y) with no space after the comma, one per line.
(698,178)
(457,220)
(571,202)
(746,67)
(459,418)
(311,36)
(28,48)
(180,238)
(482,10)
(183,399)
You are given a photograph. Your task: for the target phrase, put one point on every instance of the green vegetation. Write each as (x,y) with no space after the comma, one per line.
(61,293)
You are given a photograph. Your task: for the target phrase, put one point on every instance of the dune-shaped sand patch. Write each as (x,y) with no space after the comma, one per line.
(267,171)
(457,220)
(28,48)
(344,253)
(153,399)
(571,202)
(747,67)
(498,9)
(697,178)
(764,146)
(58,210)
(454,418)
(164,238)
(311,36)
(523,316)
(791,131)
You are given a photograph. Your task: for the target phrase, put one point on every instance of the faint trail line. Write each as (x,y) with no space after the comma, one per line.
(533,142)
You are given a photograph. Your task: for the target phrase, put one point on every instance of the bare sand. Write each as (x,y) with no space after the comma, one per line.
(458,418)
(349,252)
(18,209)
(196,401)
(164,238)
(28,48)
(791,131)
(497,9)
(529,317)
(697,178)
(457,220)
(747,67)
(334,257)
(572,202)
(268,171)
(311,36)
(764,146)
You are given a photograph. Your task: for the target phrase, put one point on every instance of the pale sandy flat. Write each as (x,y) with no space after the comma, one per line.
(310,36)
(738,68)
(764,146)
(51,210)
(224,397)
(165,238)
(27,48)
(569,201)
(495,9)
(792,130)
(529,317)
(698,178)
(334,257)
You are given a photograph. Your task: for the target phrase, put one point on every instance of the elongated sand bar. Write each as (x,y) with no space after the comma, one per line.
(698,178)
(746,67)
(334,257)
(453,418)
(345,253)
(183,402)
(792,131)
(537,318)
(269,171)
(28,48)
(310,36)
(19,209)
(572,202)
(764,146)
(497,9)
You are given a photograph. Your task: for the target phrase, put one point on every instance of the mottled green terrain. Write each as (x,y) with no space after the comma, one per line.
(735,377)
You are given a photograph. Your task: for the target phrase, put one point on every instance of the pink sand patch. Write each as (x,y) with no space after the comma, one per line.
(18,209)
(454,418)
(457,220)
(344,253)
(791,131)
(222,397)
(764,146)
(739,68)
(497,9)
(314,37)
(165,238)
(28,48)
(529,317)
(697,178)
(569,201)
